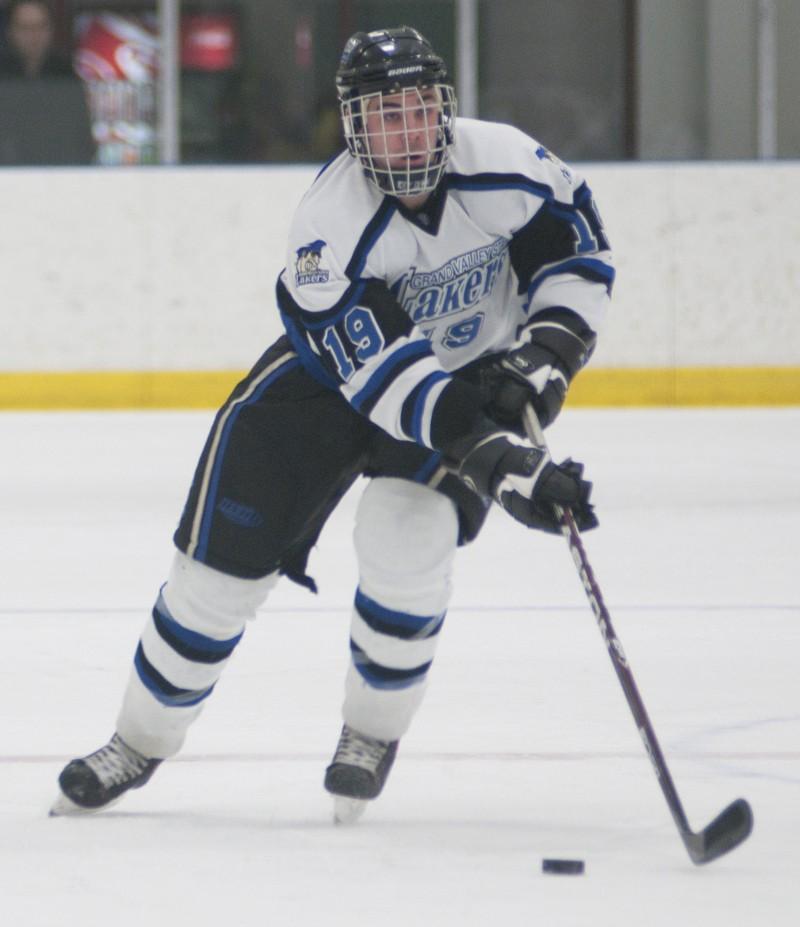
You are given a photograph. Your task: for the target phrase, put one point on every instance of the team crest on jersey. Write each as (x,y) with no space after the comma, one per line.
(544,155)
(457,285)
(307,264)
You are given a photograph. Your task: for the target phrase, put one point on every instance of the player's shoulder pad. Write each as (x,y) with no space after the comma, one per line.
(495,147)
(325,230)
(338,205)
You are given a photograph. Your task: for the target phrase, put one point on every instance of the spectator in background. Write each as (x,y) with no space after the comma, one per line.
(44,116)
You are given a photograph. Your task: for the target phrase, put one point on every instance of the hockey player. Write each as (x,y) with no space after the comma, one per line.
(436,283)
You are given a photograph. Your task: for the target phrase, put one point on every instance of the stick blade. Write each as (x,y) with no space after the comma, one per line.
(730,828)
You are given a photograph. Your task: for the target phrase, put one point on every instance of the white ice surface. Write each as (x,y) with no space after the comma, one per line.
(524,747)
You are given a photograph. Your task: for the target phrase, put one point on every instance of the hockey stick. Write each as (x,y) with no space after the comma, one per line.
(733,825)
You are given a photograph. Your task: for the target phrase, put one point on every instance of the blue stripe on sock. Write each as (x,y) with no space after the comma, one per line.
(396,624)
(162,689)
(382,677)
(190,644)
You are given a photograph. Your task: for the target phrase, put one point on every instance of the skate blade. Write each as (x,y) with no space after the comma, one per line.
(65,807)
(347,810)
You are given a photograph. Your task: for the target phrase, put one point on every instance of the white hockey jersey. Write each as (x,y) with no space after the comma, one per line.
(384,304)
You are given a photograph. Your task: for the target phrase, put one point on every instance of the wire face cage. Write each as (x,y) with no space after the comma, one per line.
(402,138)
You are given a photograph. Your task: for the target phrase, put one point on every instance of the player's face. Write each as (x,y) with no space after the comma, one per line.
(403,128)
(31,31)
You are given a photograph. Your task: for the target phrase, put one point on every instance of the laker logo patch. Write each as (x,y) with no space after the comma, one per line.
(306,265)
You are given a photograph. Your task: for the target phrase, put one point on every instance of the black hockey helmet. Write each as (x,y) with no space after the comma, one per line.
(384,63)
(387,60)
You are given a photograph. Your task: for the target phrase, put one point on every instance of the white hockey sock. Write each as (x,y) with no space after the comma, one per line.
(406,536)
(196,623)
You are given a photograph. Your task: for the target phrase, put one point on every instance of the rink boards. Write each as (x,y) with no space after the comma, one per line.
(154,287)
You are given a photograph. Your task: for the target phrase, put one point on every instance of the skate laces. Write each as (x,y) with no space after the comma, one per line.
(356,749)
(116,763)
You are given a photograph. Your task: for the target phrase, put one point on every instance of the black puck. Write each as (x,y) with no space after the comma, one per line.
(563,866)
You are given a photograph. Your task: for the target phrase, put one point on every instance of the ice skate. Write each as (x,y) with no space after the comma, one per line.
(99,780)
(357,773)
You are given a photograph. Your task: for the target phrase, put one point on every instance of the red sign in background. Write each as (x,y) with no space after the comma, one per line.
(118,57)
(113,47)
(209,41)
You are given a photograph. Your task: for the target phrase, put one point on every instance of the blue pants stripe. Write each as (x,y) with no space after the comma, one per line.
(217,463)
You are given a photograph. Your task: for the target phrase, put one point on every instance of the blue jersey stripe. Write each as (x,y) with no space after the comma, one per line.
(308,358)
(389,370)
(316,321)
(418,414)
(491,181)
(590,268)
(375,228)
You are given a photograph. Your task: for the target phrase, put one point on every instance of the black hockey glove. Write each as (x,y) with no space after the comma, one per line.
(558,344)
(522,479)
